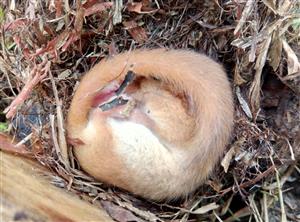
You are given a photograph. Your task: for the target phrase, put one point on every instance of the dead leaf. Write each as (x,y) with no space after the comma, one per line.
(119,213)
(246,12)
(38,73)
(53,45)
(243,103)
(78,24)
(73,37)
(140,7)
(58,8)
(227,159)
(206,208)
(275,50)
(216,185)
(117,15)
(138,33)
(256,84)
(284,7)
(231,153)
(99,7)
(292,59)
(134,7)
(238,79)
(270,4)
(18,23)
(30,9)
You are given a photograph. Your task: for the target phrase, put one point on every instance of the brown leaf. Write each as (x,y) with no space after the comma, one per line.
(246,13)
(73,37)
(270,4)
(140,7)
(95,8)
(38,73)
(275,50)
(138,33)
(119,213)
(90,3)
(58,8)
(18,23)
(117,12)
(206,208)
(134,7)
(256,84)
(243,103)
(231,153)
(284,7)
(227,159)
(30,10)
(78,24)
(238,79)
(21,45)
(292,59)
(53,45)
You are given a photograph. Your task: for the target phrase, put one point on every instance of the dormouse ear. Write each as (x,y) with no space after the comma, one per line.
(103,94)
(129,78)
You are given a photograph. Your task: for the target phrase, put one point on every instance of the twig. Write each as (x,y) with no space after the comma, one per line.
(249,183)
(54,138)
(38,73)
(60,123)
(284,178)
(117,16)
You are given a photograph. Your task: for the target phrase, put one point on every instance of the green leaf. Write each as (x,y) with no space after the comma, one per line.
(2,15)
(3,126)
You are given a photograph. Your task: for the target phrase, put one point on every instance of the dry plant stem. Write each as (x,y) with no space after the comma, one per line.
(67,6)
(144,214)
(23,141)
(246,12)
(279,186)
(241,213)
(283,213)
(60,123)
(227,204)
(293,62)
(206,208)
(4,69)
(291,149)
(54,139)
(283,179)
(256,84)
(38,73)
(254,208)
(218,218)
(265,207)
(117,16)
(251,182)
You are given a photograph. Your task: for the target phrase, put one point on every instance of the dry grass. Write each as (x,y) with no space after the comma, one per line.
(46,46)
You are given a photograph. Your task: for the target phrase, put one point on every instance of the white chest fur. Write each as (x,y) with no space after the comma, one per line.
(155,168)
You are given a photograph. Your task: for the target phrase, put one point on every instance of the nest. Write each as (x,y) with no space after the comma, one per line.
(47,46)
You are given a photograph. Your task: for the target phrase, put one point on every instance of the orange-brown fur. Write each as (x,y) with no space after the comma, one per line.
(185,101)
